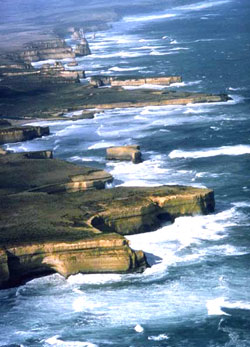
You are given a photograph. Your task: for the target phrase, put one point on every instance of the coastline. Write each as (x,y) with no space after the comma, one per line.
(144,214)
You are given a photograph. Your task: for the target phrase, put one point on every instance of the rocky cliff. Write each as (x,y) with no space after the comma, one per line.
(99,81)
(45,228)
(16,134)
(100,253)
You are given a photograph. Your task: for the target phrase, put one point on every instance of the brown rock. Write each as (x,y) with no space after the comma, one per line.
(82,48)
(119,81)
(39,155)
(101,253)
(130,153)
(16,134)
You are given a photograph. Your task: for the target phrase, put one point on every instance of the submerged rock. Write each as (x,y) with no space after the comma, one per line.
(130,153)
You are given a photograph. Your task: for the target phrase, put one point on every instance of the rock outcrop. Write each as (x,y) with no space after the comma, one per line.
(129,153)
(43,175)
(47,98)
(82,49)
(42,233)
(99,81)
(48,49)
(98,254)
(57,71)
(123,81)
(39,155)
(16,134)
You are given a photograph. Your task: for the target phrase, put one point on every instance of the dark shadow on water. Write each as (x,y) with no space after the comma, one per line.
(152,259)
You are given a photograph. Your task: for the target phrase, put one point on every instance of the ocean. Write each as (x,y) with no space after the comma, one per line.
(198,292)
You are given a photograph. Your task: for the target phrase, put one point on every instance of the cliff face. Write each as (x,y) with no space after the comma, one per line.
(137,210)
(16,134)
(116,81)
(43,50)
(99,81)
(52,73)
(69,233)
(82,48)
(105,253)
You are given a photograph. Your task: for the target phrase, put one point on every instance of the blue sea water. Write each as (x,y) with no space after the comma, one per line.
(198,294)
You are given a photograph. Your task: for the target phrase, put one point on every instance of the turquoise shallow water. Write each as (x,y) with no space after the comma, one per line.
(198,293)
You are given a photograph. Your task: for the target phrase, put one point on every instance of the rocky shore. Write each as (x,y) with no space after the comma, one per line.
(56,217)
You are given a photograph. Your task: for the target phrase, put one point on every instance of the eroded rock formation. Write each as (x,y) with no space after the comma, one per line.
(82,48)
(16,134)
(129,153)
(48,49)
(41,233)
(99,81)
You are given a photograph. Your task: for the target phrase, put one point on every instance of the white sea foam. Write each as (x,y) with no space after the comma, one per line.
(138,328)
(172,243)
(160,337)
(78,158)
(179,49)
(38,64)
(121,69)
(82,303)
(56,341)
(211,152)
(202,5)
(185,84)
(161,53)
(101,144)
(93,278)
(149,18)
(214,307)
(236,89)
(146,47)
(121,54)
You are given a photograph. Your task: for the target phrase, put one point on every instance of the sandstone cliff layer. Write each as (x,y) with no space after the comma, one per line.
(129,153)
(16,134)
(41,233)
(100,81)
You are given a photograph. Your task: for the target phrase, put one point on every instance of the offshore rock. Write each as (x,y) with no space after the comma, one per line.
(129,153)
(16,134)
(82,49)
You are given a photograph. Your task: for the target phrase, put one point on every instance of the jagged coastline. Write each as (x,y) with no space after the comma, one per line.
(56,216)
